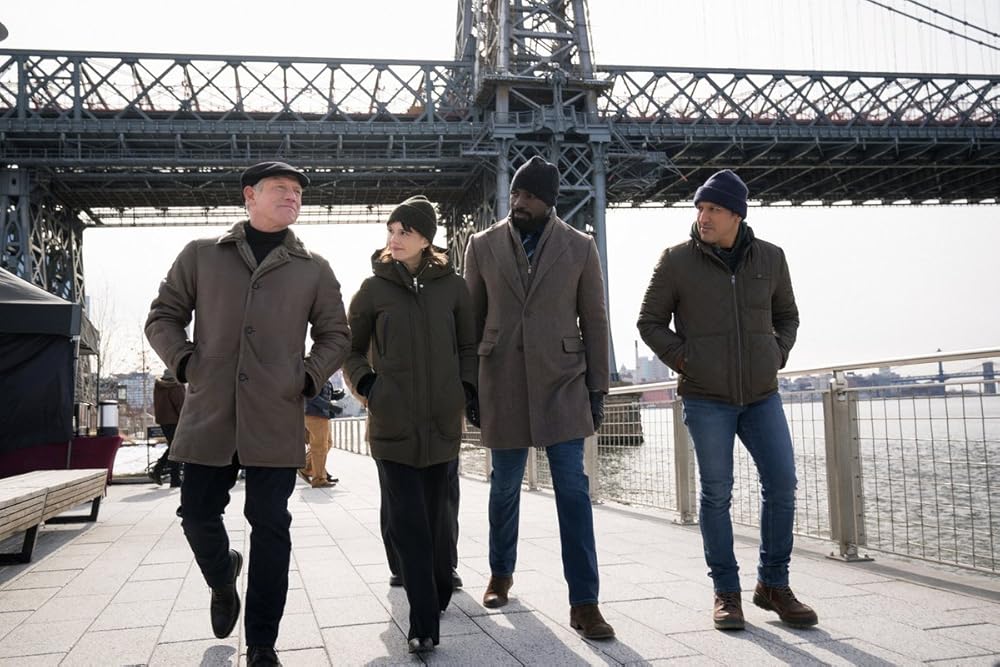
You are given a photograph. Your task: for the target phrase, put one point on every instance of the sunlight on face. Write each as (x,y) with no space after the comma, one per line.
(405,245)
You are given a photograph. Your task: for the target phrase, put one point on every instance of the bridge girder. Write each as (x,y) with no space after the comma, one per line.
(122,137)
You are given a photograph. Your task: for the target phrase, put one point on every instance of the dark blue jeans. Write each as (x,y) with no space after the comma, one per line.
(204,497)
(762,428)
(576,518)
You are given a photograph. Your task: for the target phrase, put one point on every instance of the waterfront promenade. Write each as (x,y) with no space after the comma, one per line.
(125,591)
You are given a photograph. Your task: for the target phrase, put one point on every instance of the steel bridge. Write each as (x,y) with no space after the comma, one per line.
(90,138)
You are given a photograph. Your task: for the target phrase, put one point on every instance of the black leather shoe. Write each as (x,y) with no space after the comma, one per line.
(261,656)
(395,580)
(225,607)
(456,581)
(421,645)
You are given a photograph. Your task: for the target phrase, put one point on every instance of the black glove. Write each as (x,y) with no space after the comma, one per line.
(365,384)
(309,389)
(597,408)
(182,369)
(335,410)
(471,404)
(338,394)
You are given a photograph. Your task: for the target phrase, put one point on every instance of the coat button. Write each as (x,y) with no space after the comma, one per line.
(250,331)
(243,377)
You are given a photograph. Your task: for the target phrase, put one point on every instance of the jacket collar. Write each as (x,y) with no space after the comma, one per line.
(238,234)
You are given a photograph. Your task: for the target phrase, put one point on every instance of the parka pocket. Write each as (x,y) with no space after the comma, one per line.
(573,344)
(765,361)
(388,417)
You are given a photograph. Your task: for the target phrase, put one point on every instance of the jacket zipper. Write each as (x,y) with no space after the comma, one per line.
(739,341)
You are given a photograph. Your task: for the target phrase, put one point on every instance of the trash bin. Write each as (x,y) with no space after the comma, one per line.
(107,418)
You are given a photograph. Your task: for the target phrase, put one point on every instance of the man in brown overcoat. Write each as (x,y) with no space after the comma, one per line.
(254,292)
(542,327)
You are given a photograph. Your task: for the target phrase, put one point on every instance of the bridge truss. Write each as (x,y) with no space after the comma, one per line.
(109,139)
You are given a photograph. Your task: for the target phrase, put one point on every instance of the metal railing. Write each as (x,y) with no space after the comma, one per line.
(904,459)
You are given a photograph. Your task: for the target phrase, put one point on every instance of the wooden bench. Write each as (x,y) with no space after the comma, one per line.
(31,498)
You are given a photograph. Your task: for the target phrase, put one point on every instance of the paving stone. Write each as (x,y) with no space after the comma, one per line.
(983,635)
(184,626)
(534,640)
(855,652)
(310,657)
(39,638)
(28,599)
(299,631)
(357,610)
(742,648)
(901,638)
(43,579)
(176,570)
(205,653)
(145,613)
(123,647)
(159,589)
(46,660)
(374,644)
(10,620)
(63,607)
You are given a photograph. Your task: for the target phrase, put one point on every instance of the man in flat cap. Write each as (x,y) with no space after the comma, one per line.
(254,292)
(538,296)
(721,312)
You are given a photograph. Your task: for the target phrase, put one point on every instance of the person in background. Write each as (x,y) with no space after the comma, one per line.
(542,328)
(320,409)
(168,399)
(254,294)
(413,363)
(730,297)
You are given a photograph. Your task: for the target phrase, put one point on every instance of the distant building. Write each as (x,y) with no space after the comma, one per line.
(138,389)
(651,369)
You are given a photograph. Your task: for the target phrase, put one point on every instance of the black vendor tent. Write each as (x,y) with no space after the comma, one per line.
(37,351)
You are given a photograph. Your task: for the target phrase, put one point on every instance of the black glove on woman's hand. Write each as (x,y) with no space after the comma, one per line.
(471,404)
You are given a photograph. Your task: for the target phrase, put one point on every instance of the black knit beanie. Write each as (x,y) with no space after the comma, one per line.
(538,177)
(416,213)
(726,189)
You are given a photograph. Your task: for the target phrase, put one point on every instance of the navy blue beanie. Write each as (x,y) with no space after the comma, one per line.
(726,189)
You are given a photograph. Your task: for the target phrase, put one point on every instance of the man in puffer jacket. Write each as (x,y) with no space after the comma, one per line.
(734,323)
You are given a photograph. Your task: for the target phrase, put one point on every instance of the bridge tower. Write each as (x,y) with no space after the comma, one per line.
(534,83)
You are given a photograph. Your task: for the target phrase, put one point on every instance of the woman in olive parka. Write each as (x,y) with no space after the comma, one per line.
(413,362)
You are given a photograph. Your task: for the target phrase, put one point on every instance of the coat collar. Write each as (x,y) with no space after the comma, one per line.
(238,234)
(504,245)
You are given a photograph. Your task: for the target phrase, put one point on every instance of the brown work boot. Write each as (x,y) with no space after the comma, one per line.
(782,600)
(496,591)
(588,620)
(727,612)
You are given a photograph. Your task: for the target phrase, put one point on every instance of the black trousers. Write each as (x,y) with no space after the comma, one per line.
(420,530)
(164,460)
(204,497)
(454,495)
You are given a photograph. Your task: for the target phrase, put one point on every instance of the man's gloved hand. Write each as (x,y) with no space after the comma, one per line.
(365,384)
(335,410)
(309,389)
(338,394)
(471,404)
(597,408)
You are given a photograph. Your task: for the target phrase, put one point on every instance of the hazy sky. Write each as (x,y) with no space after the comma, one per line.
(871,282)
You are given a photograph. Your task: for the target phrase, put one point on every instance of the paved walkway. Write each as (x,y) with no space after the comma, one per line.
(125,591)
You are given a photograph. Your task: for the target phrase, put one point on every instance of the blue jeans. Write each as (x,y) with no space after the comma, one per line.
(576,518)
(763,430)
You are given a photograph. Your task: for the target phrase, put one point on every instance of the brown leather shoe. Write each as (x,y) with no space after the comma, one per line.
(588,620)
(496,591)
(727,612)
(782,600)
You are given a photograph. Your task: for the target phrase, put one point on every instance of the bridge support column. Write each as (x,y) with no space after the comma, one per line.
(42,240)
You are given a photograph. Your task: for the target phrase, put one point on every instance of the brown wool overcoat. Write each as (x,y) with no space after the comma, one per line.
(247,368)
(543,336)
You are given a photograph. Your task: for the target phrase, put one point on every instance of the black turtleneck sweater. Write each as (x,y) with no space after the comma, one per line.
(261,243)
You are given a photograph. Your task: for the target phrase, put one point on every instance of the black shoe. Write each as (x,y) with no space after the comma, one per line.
(225,607)
(421,645)
(156,474)
(259,656)
(395,580)
(456,581)
(179,512)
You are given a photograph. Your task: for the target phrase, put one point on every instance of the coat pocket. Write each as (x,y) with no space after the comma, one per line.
(573,344)
(388,418)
